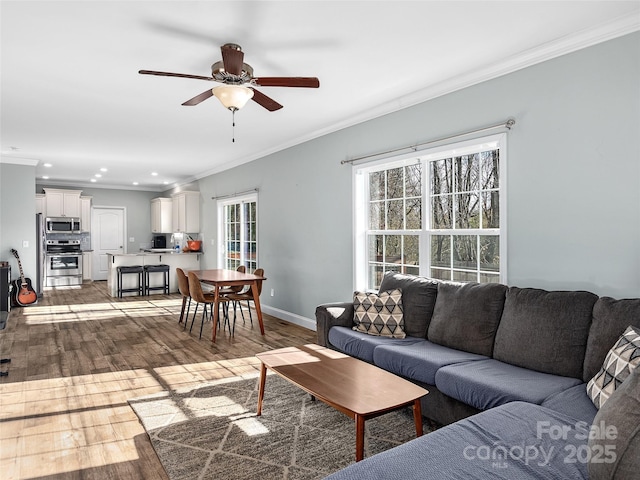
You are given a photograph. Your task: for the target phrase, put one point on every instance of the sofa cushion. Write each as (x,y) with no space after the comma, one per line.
(621,413)
(419,361)
(610,318)
(418,299)
(488,383)
(466,316)
(573,402)
(379,314)
(545,331)
(623,357)
(508,442)
(361,345)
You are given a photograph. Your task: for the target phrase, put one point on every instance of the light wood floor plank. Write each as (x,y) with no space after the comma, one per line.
(78,355)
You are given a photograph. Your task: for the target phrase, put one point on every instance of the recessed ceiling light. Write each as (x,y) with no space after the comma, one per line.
(48,165)
(155,174)
(45,177)
(165,182)
(93,180)
(135,183)
(97,175)
(103,169)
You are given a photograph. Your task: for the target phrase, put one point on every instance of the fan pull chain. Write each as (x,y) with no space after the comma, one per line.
(233,121)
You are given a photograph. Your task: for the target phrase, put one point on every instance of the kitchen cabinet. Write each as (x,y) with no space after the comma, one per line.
(186,212)
(62,203)
(85,213)
(161,215)
(86,266)
(40,206)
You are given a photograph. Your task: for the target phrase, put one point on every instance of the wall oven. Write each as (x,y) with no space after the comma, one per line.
(63,263)
(62,225)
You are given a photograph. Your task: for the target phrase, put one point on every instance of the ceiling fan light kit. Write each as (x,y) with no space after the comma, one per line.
(234,74)
(233,97)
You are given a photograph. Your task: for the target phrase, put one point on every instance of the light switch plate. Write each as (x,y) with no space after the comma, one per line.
(25,244)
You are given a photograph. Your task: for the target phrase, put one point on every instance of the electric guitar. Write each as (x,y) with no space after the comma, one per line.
(23,293)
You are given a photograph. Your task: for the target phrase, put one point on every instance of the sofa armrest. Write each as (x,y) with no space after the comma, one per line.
(331,315)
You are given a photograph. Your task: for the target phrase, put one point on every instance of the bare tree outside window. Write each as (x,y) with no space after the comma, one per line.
(395,209)
(465,199)
(457,213)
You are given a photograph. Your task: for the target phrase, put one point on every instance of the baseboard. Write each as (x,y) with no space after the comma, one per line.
(289,317)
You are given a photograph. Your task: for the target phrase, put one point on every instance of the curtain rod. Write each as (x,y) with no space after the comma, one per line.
(236,194)
(507,124)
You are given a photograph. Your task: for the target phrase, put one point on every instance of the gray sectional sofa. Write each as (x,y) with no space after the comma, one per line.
(506,369)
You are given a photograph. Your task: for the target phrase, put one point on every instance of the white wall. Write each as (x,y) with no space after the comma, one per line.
(18,217)
(573,181)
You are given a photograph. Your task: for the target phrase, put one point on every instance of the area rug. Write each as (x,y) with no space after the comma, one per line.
(212,431)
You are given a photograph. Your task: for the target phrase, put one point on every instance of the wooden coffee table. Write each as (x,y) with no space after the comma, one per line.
(351,386)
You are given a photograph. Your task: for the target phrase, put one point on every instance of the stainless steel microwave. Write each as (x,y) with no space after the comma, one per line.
(62,225)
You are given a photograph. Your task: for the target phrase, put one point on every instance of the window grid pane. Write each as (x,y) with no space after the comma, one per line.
(240,234)
(461,205)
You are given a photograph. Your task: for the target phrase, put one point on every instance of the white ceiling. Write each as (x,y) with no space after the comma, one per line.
(71,95)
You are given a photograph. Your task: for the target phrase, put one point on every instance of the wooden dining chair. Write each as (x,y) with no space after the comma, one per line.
(247,295)
(195,289)
(237,288)
(183,288)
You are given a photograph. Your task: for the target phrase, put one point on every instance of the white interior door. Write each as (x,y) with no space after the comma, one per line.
(107,236)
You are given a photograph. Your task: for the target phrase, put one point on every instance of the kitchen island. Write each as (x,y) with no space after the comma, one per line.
(185,261)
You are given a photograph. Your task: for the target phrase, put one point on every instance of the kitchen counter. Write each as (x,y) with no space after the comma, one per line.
(184,260)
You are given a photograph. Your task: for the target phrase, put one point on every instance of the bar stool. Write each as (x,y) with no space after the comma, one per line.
(138,270)
(148,270)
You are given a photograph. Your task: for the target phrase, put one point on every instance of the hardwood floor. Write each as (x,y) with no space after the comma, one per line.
(78,355)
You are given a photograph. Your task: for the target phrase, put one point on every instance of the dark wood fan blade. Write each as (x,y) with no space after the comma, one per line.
(267,102)
(306,82)
(199,98)
(232,58)
(169,74)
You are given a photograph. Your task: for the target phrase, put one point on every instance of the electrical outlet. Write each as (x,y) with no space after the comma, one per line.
(273,292)
(132,239)
(213,241)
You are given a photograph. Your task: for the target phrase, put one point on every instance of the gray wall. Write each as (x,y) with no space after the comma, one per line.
(18,217)
(137,203)
(573,179)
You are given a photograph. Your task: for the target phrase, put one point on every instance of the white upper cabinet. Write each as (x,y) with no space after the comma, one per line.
(186,212)
(40,206)
(85,213)
(161,215)
(62,203)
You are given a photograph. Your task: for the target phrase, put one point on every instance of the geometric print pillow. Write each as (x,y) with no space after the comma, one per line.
(379,314)
(621,360)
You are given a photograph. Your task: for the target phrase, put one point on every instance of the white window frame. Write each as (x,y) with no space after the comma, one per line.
(361,196)
(221,204)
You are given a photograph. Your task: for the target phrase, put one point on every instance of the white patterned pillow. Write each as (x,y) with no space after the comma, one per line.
(621,360)
(379,314)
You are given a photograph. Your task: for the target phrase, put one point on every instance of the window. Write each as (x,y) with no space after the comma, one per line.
(435,214)
(237,227)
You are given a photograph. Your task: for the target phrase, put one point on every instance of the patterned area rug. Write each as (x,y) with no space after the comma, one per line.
(212,431)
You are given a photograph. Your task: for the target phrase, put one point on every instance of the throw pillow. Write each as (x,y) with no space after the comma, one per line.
(615,447)
(621,360)
(379,314)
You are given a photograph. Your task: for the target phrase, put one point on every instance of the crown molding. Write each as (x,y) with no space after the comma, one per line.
(31,162)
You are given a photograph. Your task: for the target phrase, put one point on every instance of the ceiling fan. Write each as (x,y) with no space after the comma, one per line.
(234,74)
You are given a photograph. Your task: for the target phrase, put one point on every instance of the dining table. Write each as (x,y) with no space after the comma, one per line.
(220,278)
